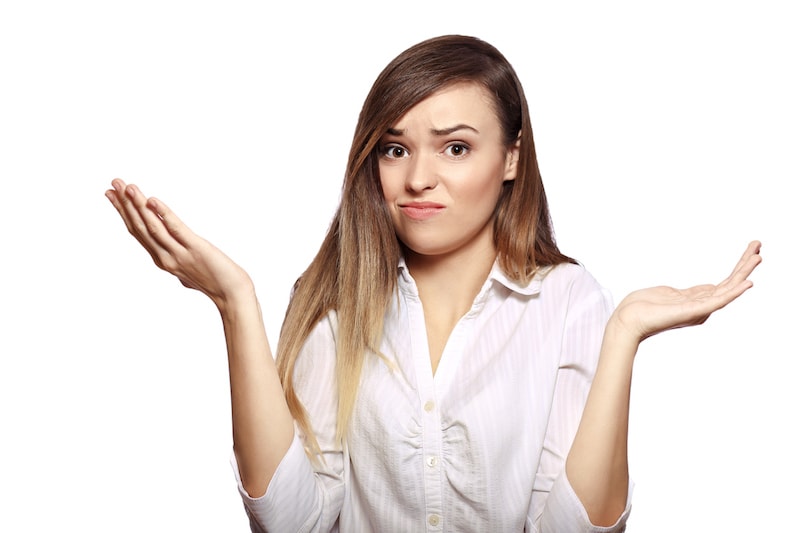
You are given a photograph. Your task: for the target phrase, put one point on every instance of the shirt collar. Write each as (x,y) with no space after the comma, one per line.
(496,275)
(534,286)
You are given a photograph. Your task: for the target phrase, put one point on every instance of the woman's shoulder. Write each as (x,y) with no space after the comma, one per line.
(566,274)
(572,279)
(550,280)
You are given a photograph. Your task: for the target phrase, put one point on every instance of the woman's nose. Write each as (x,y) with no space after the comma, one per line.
(422,173)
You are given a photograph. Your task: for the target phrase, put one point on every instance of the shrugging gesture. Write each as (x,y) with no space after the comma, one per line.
(442,226)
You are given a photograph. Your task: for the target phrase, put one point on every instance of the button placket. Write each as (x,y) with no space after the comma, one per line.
(429,416)
(430,456)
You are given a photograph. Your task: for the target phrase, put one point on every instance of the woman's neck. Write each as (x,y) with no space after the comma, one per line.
(448,285)
(451,281)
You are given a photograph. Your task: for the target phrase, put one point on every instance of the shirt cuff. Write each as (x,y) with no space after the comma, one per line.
(291,487)
(565,512)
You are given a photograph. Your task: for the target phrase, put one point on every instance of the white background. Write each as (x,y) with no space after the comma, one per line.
(667,135)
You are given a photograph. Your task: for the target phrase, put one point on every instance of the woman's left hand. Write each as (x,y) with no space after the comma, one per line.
(646,312)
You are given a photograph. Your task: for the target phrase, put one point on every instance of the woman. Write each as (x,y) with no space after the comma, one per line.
(442,365)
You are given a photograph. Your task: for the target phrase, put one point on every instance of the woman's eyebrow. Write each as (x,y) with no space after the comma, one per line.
(435,131)
(452,129)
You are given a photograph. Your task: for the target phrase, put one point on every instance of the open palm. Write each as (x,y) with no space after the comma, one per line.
(646,312)
(174,247)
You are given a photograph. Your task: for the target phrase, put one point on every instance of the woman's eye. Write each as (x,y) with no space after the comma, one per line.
(457,150)
(394,151)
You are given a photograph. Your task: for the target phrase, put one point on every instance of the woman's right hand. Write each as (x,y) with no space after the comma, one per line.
(263,428)
(175,248)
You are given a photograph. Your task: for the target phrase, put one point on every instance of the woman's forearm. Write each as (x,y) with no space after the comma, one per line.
(597,464)
(262,425)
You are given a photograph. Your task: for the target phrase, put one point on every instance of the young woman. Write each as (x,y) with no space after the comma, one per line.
(442,365)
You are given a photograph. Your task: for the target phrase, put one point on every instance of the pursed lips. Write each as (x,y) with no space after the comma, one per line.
(421,210)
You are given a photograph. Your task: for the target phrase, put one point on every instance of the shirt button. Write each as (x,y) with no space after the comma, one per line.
(428,406)
(433,520)
(432,461)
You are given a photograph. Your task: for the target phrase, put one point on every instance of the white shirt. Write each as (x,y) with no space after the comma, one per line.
(478,446)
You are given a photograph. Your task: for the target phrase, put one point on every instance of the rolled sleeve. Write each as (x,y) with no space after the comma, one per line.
(306,496)
(291,495)
(556,506)
(566,512)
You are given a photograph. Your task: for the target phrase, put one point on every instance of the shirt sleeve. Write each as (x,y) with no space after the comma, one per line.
(305,495)
(555,506)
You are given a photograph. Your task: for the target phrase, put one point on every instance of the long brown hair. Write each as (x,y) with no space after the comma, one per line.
(355,270)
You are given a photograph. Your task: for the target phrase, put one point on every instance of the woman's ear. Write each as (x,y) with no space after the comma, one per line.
(512,160)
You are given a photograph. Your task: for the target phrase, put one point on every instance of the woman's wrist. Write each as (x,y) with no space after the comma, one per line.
(619,338)
(239,295)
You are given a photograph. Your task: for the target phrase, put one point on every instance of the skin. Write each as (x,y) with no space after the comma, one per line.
(262,424)
(597,464)
(447,151)
(449,255)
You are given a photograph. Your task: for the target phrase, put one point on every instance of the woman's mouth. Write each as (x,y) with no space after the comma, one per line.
(421,210)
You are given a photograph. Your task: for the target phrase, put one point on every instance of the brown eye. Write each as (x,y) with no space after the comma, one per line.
(457,150)
(394,151)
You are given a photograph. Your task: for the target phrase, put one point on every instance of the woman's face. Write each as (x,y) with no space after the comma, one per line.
(442,168)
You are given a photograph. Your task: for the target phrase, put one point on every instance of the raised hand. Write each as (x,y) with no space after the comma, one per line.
(646,312)
(175,248)
(263,427)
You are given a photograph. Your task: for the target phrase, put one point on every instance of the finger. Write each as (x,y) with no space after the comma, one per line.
(154,225)
(131,204)
(168,238)
(173,225)
(710,298)
(117,198)
(123,204)
(118,185)
(111,194)
(727,293)
(134,204)
(752,251)
(732,293)
(750,259)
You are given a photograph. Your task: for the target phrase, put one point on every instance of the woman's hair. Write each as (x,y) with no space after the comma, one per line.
(355,270)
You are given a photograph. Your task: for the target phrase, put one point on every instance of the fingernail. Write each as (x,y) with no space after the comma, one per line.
(130,191)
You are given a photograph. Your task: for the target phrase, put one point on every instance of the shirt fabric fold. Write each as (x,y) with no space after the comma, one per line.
(478,446)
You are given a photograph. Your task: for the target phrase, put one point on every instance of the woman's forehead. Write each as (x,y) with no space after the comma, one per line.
(465,103)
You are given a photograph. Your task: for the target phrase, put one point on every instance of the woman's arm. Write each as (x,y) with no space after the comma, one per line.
(597,464)
(263,427)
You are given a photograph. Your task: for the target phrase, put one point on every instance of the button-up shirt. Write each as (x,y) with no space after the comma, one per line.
(479,445)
